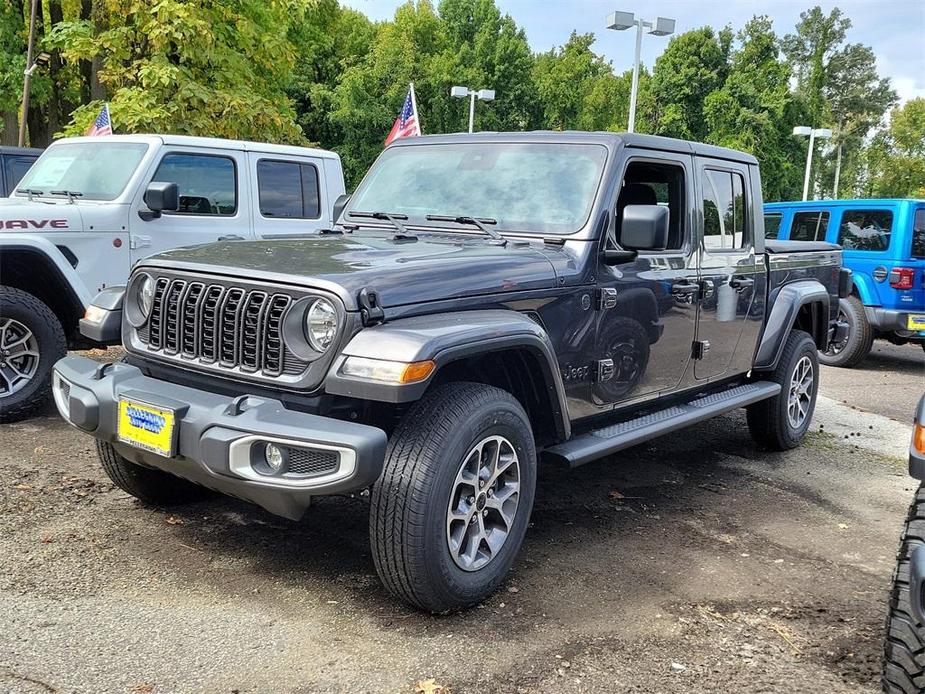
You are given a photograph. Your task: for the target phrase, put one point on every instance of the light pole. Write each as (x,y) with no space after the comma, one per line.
(803,131)
(660,26)
(473,94)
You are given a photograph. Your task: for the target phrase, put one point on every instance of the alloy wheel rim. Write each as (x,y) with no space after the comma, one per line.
(838,347)
(19,356)
(801,392)
(483,503)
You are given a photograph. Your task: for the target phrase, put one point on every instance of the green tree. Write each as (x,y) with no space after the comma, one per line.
(693,66)
(198,67)
(896,156)
(754,111)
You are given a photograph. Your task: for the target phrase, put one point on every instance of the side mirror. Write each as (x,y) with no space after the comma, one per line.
(160,197)
(339,206)
(644,228)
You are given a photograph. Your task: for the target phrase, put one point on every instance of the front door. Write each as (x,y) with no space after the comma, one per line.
(213,202)
(730,270)
(647,308)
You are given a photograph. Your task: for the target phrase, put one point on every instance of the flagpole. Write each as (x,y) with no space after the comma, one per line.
(414,104)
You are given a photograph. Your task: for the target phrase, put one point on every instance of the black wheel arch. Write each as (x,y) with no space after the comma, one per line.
(802,305)
(32,271)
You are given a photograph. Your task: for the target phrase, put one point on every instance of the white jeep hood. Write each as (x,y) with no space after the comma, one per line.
(19,215)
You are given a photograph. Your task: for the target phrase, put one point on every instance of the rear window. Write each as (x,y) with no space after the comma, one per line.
(809,226)
(918,234)
(772,224)
(865,230)
(288,189)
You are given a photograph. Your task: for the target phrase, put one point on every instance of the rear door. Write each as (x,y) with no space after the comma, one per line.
(289,195)
(214,201)
(729,267)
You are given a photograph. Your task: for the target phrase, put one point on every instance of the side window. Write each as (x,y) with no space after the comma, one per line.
(918,234)
(16,168)
(288,189)
(809,226)
(865,230)
(651,183)
(207,182)
(724,210)
(772,224)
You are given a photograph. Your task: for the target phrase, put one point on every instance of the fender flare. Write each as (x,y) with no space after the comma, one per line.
(29,243)
(446,338)
(784,311)
(864,289)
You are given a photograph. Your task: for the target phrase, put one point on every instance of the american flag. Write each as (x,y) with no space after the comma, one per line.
(407,124)
(102,125)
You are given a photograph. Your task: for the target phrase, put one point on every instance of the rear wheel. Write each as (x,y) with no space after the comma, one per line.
(450,511)
(781,422)
(904,650)
(857,344)
(146,484)
(31,341)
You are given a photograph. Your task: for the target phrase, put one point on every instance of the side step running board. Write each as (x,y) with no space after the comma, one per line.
(610,439)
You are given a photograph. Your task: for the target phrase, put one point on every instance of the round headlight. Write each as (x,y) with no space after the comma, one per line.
(321,324)
(146,295)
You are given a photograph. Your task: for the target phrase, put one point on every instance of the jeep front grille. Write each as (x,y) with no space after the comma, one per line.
(224,326)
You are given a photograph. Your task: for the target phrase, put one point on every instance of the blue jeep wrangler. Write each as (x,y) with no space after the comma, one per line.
(884,246)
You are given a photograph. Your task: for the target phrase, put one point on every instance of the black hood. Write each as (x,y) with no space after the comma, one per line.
(436,266)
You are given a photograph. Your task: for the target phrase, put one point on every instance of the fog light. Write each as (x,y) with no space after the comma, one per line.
(274,457)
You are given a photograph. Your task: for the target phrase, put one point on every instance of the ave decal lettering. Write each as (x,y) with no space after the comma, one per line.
(34,224)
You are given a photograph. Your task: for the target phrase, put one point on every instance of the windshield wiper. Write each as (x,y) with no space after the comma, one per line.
(395,218)
(71,194)
(30,192)
(478,222)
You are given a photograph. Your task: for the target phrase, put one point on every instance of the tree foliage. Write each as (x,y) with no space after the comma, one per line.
(314,71)
(896,157)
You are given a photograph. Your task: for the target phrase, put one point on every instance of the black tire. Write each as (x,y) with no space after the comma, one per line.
(768,420)
(408,524)
(148,485)
(28,311)
(860,336)
(904,648)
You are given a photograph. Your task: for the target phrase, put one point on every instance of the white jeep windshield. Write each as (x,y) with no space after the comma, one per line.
(527,187)
(96,170)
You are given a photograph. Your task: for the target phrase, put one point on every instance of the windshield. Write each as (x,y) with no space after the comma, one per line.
(526,187)
(96,170)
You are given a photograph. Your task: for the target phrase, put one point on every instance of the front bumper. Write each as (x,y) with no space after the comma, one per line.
(893,321)
(217,436)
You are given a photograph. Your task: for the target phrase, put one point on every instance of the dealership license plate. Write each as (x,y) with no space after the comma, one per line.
(147,427)
(915,321)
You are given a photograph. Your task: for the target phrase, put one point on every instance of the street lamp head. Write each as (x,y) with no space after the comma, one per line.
(803,131)
(822,132)
(621,20)
(662,26)
(486,94)
(459,92)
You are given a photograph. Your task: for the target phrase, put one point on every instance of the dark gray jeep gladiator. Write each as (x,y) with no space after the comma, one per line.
(483,302)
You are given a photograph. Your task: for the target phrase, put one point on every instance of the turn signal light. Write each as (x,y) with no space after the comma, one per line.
(901,277)
(918,438)
(387,371)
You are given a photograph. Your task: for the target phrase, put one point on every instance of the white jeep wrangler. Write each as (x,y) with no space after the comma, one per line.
(90,208)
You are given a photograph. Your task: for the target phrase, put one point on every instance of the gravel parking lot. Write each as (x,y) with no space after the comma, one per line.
(693,564)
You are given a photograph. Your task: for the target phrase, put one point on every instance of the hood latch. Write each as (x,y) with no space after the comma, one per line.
(371,312)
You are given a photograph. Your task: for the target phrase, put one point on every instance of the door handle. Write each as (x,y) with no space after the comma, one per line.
(231,237)
(740,283)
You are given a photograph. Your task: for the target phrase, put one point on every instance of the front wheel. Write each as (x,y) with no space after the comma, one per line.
(904,649)
(31,341)
(781,422)
(450,511)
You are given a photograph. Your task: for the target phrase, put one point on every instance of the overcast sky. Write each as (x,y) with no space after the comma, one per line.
(895,29)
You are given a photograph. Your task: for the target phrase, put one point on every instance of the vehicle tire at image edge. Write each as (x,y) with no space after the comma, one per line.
(31,341)
(781,422)
(904,646)
(451,508)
